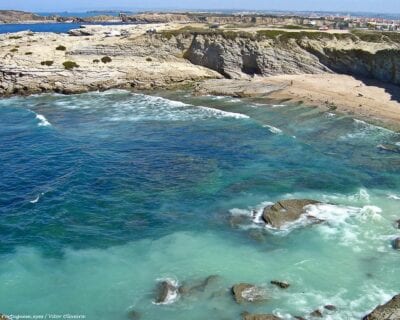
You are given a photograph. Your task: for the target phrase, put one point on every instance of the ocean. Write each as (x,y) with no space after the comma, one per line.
(102,195)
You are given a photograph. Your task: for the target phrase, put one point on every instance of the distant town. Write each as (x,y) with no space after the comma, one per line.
(310,20)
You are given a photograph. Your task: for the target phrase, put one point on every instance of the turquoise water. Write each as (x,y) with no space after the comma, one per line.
(103,194)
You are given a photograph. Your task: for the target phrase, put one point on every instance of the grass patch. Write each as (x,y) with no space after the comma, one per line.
(14,50)
(69,65)
(376,36)
(15,37)
(106,59)
(61,48)
(47,63)
(28,53)
(96,61)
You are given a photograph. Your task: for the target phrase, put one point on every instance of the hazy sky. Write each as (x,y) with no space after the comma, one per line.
(386,6)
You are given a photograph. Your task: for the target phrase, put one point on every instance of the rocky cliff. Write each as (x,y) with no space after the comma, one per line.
(135,57)
(241,54)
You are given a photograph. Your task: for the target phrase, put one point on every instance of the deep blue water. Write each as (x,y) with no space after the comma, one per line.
(141,181)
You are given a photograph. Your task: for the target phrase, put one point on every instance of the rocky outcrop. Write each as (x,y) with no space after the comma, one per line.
(165,291)
(240,54)
(245,292)
(249,316)
(388,311)
(285,211)
(396,244)
(280,284)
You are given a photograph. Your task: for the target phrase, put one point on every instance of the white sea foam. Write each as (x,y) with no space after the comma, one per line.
(36,200)
(42,121)
(143,107)
(173,295)
(393,196)
(273,129)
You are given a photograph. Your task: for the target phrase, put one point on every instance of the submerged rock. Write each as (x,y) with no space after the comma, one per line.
(245,292)
(330,307)
(316,314)
(396,244)
(201,286)
(387,311)
(389,148)
(285,211)
(280,284)
(132,315)
(249,316)
(165,292)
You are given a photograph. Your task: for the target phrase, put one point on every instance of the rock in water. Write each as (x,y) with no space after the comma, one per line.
(396,244)
(245,292)
(388,311)
(330,307)
(389,148)
(285,211)
(248,316)
(397,224)
(3,317)
(316,314)
(281,284)
(165,291)
(133,315)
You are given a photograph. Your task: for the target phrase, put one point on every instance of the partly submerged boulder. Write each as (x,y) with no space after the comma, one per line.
(280,284)
(249,316)
(245,292)
(3,317)
(316,314)
(387,311)
(166,291)
(396,244)
(285,211)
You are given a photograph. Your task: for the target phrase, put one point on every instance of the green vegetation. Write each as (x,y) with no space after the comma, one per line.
(47,63)
(283,35)
(15,37)
(28,53)
(14,50)
(61,48)
(96,61)
(106,59)
(69,65)
(376,36)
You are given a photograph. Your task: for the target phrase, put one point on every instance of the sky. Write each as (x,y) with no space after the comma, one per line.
(381,6)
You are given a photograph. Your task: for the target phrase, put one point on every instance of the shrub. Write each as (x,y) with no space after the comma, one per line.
(106,59)
(28,53)
(15,37)
(149,59)
(70,65)
(96,61)
(61,48)
(14,50)
(47,63)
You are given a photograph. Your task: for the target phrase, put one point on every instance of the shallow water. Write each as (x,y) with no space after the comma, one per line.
(102,194)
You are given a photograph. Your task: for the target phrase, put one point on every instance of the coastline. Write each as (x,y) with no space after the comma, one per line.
(35,63)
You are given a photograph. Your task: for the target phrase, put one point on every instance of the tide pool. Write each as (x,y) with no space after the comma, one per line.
(104,194)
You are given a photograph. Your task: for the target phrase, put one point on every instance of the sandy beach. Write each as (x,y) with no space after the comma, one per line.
(374,102)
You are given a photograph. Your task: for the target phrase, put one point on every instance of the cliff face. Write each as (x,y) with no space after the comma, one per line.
(240,55)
